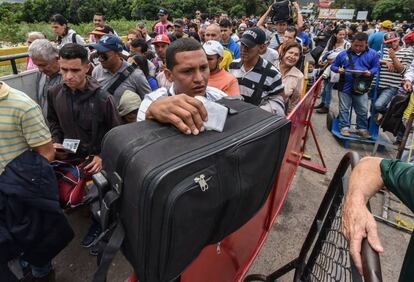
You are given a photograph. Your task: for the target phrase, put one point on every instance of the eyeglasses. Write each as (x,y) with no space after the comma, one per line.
(103,56)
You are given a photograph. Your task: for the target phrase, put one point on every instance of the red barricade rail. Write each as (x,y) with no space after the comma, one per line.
(231,259)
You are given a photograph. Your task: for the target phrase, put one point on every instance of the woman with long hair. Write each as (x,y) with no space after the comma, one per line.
(64,34)
(336,45)
(141,62)
(292,77)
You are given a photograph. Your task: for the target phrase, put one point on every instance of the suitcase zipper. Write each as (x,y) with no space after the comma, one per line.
(200,182)
(157,174)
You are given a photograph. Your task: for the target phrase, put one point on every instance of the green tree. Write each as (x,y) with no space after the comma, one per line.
(388,9)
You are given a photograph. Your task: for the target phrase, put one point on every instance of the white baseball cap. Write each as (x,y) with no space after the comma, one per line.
(213,47)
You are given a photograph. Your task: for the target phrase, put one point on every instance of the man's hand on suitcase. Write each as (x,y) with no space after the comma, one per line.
(183,111)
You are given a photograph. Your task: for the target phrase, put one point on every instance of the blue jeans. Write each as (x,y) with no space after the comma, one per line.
(327,93)
(360,105)
(384,98)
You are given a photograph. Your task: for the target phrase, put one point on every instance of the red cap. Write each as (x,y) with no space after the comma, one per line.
(162,38)
(409,38)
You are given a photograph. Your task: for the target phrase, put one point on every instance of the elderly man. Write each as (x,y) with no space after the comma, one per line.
(213,32)
(45,56)
(114,74)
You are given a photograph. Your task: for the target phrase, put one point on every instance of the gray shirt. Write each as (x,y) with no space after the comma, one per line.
(44,83)
(135,82)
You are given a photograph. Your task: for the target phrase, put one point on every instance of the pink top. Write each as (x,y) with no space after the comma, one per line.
(161,28)
(30,65)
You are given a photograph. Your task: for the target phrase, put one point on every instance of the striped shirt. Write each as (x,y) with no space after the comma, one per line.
(249,79)
(272,91)
(22,125)
(393,79)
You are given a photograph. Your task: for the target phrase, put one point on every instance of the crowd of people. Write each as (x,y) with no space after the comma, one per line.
(85,87)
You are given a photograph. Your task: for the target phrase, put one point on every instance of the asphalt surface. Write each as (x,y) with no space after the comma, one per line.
(288,232)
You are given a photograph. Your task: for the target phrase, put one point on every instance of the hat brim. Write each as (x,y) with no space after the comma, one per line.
(161,41)
(391,40)
(97,33)
(100,48)
(212,53)
(248,43)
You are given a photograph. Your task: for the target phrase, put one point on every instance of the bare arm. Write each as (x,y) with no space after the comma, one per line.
(299,24)
(263,18)
(47,151)
(358,222)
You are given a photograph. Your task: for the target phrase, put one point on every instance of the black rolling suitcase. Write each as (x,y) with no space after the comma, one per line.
(173,194)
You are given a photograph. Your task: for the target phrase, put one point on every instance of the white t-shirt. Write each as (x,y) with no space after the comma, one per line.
(271,55)
(212,94)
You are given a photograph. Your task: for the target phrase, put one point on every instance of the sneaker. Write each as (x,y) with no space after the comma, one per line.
(93,233)
(345,132)
(321,105)
(364,134)
(323,110)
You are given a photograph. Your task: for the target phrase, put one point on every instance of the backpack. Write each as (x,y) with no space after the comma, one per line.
(284,11)
(392,121)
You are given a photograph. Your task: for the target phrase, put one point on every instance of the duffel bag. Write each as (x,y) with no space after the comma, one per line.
(72,181)
(177,193)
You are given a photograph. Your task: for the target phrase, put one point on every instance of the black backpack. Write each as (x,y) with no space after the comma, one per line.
(283,11)
(392,121)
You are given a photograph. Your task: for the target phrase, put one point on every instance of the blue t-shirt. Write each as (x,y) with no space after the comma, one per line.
(375,40)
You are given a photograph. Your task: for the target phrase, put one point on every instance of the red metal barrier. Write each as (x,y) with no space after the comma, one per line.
(231,259)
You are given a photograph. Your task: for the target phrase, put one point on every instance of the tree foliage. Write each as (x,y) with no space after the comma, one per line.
(80,11)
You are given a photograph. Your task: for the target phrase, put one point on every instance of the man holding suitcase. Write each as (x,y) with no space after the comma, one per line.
(188,69)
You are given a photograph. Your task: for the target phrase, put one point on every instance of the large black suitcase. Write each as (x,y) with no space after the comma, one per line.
(181,193)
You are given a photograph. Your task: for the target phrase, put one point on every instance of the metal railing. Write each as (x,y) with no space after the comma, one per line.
(12,59)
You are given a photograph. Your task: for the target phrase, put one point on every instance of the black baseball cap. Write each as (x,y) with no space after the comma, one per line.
(253,36)
(162,11)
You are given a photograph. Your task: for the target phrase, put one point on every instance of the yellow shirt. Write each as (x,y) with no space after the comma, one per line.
(22,125)
(227,59)
(410,108)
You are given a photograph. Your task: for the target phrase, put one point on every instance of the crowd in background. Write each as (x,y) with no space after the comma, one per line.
(86,86)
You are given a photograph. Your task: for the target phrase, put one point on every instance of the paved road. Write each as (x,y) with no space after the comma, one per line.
(288,233)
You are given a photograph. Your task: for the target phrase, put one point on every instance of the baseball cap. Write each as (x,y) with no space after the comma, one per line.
(130,101)
(179,23)
(107,43)
(161,38)
(386,24)
(213,47)
(390,37)
(409,38)
(162,11)
(253,36)
(101,30)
